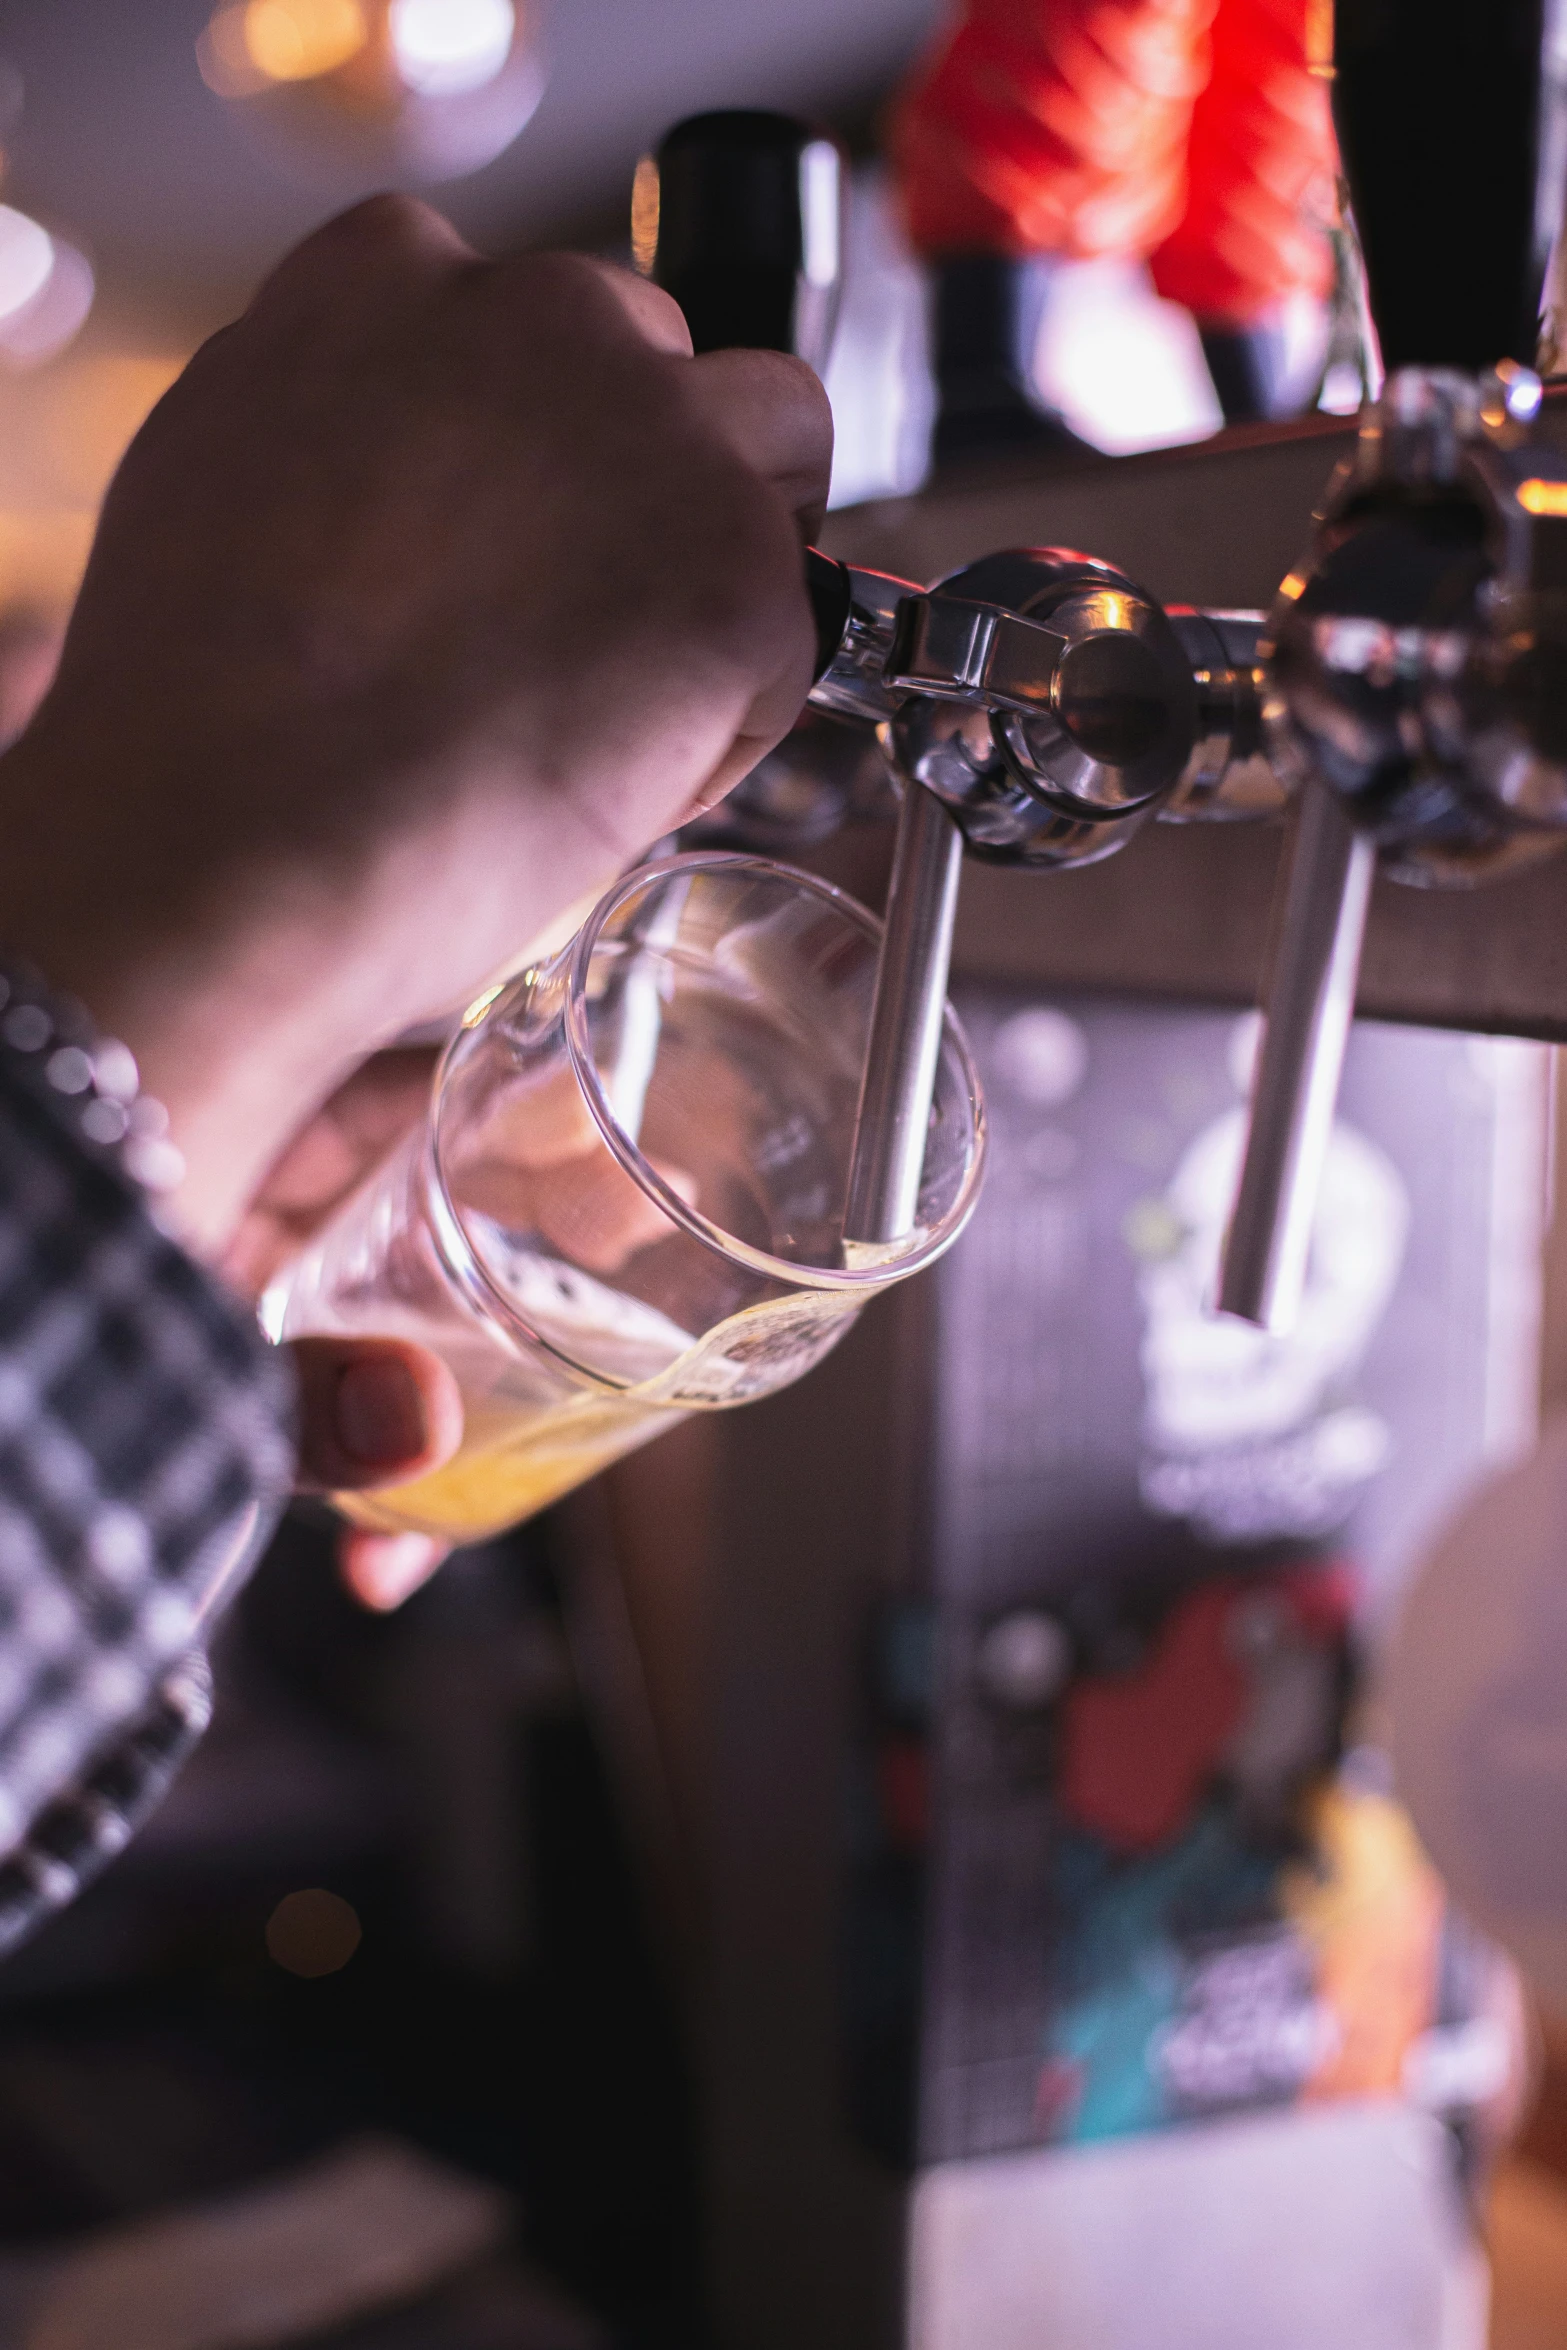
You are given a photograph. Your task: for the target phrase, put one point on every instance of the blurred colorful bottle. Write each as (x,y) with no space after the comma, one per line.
(1194,134)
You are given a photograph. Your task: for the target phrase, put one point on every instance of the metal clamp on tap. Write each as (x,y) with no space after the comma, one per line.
(1047,701)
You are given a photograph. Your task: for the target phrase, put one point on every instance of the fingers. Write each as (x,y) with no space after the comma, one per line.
(372,1411)
(329,1156)
(387,233)
(773,412)
(657,316)
(767,405)
(376,1411)
(749,746)
(382,1570)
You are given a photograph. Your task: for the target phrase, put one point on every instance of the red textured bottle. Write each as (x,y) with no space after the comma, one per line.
(1191,133)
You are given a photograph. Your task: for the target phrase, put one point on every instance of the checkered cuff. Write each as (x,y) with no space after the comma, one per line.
(146,1451)
(84,1827)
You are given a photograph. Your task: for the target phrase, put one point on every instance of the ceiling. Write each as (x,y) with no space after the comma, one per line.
(119,144)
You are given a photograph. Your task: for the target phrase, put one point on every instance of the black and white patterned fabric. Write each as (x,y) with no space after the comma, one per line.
(146,1451)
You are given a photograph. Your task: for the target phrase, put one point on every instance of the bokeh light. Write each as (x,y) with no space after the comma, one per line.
(293,40)
(26,260)
(313,1933)
(444,46)
(46,290)
(370,91)
(645,207)
(257,42)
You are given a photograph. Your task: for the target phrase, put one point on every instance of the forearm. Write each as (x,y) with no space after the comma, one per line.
(249,986)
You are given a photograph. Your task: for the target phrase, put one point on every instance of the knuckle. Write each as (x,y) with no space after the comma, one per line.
(388,222)
(659,308)
(388,231)
(575,284)
(553,272)
(798,382)
(596,297)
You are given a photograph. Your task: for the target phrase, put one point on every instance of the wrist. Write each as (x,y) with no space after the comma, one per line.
(249,961)
(214,1028)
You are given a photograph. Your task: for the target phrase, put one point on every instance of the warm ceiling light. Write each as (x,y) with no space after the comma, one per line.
(254,44)
(223,57)
(443,46)
(359,93)
(296,40)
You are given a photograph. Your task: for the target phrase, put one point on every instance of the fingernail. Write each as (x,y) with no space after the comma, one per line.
(394,1570)
(378,1416)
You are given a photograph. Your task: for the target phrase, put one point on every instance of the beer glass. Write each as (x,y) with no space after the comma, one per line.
(627,1202)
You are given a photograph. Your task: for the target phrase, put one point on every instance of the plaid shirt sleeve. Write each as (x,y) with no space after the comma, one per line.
(146,1450)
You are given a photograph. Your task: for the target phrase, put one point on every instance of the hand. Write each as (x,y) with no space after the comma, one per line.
(431,593)
(375,1412)
(372,1411)
(379,1412)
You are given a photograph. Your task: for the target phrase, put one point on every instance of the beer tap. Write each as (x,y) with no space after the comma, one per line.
(1409,688)
(1036,706)
(1417,698)
(1417,660)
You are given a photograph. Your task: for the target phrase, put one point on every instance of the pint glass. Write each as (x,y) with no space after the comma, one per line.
(627,1201)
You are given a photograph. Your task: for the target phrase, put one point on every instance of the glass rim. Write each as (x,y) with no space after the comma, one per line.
(856,1280)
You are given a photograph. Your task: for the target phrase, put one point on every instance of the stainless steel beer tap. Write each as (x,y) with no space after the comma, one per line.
(1409,688)
(1417,660)
(1037,706)
(1417,698)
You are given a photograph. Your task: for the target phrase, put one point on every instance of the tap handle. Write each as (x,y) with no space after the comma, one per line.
(740,217)
(1309,1006)
(830,586)
(1449,120)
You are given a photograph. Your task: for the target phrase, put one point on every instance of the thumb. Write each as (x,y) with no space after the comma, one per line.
(372,1411)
